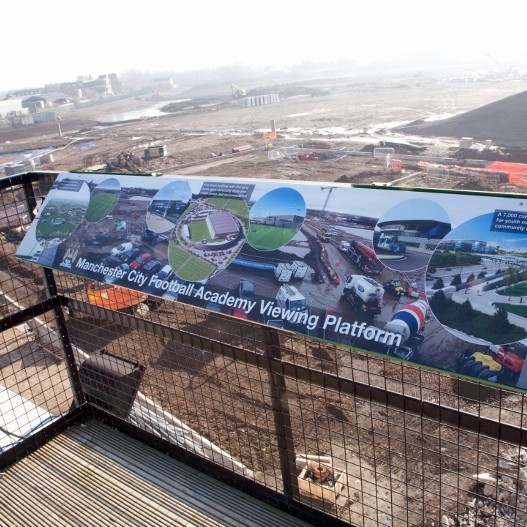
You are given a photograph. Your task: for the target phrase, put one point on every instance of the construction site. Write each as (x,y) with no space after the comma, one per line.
(331,433)
(356,132)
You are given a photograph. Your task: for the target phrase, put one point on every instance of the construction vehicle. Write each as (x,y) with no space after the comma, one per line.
(413,292)
(392,166)
(246,290)
(324,236)
(293,302)
(299,269)
(391,243)
(395,287)
(507,358)
(240,148)
(363,257)
(364,294)
(344,246)
(498,363)
(237,92)
(283,272)
(307,156)
(327,265)
(121,230)
(408,322)
(480,365)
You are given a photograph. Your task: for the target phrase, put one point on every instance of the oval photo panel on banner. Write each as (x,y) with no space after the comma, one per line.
(63,213)
(103,199)
(476,282)
(275,219)
(208,236)
(406,235)
(167,206)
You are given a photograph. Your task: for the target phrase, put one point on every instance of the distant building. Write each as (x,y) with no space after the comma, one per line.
(72,89)
(292,221)
(25,92)
(11,105)
(260,100)
(479,246)
(446,245)
(87,87)
(463,245)
(34,103)
(99,86)
(117,85)
(430,229)
(164,83)
(65,92)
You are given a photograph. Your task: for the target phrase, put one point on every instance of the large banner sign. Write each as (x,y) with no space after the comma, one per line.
(437,278)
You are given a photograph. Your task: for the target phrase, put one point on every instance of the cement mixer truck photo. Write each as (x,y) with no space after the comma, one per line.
(408,322)
(364,295)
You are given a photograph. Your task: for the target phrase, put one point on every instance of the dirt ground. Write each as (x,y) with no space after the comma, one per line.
(201,132)
(200,139)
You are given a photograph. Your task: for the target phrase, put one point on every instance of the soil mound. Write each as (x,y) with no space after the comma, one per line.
(503,121)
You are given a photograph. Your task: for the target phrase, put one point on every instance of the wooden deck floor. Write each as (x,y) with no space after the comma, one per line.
(94,475)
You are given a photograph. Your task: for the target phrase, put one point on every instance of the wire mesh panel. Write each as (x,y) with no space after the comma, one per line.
(35,381)
(194,395)
(391,434)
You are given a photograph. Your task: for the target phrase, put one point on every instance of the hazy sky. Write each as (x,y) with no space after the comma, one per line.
(59,40)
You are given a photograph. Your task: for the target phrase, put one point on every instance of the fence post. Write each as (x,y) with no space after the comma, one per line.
(282,418)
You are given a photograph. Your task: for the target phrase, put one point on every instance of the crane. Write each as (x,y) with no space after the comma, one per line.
(494,60)
(502,67)
(323,210)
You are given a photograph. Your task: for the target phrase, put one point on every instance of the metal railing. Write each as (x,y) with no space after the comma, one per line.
(258,407)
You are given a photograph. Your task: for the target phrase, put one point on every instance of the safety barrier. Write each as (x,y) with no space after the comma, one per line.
(324,430)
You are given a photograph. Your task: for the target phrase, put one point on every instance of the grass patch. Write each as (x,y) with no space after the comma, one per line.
(235,205)
(199,230)
(101,204)
(187,266)
(478,324)
(519,289)
(520,310)
(47,229)
(268,237)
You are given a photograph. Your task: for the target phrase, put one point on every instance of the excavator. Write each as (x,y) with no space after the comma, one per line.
(237,92)
(498,363)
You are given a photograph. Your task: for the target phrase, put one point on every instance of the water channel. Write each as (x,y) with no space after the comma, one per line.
(143,113)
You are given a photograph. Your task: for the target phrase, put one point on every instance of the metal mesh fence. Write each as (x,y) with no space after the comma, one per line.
(35,381)
(368,440)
